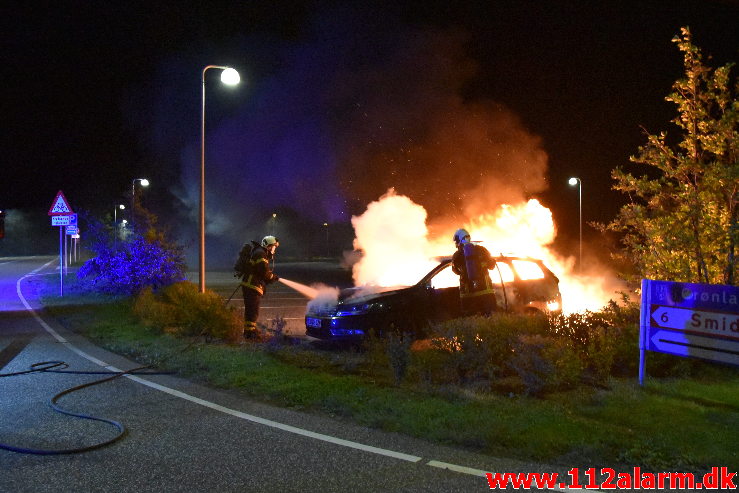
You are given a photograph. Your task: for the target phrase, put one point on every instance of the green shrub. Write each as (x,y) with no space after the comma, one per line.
(153,312)
(479,348)
(467,341)
(398,355)
(182,310)
(545,363)
(599,354)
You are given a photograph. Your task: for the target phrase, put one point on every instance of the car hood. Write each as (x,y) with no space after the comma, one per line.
(364,294)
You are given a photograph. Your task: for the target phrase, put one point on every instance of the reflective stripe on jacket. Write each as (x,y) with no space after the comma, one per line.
(259,273)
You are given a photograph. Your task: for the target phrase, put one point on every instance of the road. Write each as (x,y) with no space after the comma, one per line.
(182,436)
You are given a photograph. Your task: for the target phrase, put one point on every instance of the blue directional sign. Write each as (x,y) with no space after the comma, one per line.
(689,320)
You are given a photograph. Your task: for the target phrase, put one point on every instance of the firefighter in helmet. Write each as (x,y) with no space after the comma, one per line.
(471,262)
(257,274)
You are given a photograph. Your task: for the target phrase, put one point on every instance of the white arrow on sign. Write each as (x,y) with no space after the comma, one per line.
(697,346)
(709,323)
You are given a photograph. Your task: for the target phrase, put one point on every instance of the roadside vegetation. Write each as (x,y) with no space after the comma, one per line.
(682,219)
(561,390)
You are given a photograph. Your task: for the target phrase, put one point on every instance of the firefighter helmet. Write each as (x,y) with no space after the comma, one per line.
(269,241)
(461,236)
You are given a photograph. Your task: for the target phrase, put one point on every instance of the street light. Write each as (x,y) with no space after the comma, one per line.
(144,183)
(115,225)
(325,225)
(230,77)
(577,181)
(274,221)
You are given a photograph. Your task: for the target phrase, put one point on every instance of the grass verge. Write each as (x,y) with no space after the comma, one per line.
(685,424)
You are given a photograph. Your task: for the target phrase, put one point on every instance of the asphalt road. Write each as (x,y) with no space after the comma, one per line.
(182,436)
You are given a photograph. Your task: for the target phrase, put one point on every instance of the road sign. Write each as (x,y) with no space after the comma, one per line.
(689,320)
(61,220)
(72,230)
(60,206)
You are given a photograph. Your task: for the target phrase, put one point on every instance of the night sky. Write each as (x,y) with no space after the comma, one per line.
(460,105)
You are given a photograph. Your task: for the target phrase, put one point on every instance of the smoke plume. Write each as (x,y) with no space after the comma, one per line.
(353,108)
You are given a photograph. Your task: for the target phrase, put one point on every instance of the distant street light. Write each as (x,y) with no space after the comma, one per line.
(144,183)
(325,225)
(274,221)
(230,77)
(115,225)
(577,181)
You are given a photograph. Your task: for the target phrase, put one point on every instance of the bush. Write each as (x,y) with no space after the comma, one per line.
(545,363)
(182,310)
(468,345)
(398,354)
(599,354)
(129,266)
(480,347)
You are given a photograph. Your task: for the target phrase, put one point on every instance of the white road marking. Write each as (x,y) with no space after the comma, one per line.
(238,414)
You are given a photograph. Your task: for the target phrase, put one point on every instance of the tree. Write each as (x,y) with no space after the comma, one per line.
(681,222)
(142,261)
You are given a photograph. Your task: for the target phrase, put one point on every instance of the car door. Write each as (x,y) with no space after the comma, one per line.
(442,292)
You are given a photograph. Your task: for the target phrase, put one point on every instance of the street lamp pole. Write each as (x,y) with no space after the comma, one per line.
(327,244)
(577,181)
(144,183)
(229,76)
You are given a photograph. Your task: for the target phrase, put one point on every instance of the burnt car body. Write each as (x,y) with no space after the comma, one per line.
(522,284)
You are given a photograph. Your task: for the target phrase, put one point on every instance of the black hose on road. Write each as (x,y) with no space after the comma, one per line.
(47,367)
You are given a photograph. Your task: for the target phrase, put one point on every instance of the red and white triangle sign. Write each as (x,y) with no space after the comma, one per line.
(60,206)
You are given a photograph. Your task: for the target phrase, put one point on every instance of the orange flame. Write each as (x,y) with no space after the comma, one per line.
(397,250)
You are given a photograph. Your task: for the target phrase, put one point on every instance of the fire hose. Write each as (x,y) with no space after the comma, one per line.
(48,367)
(59,367)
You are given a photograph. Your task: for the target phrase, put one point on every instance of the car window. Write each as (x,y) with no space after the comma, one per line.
(445,278)
(501,273)
(527,269)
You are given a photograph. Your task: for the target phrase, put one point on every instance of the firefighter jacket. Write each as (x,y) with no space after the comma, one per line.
(258,273)
(471,263)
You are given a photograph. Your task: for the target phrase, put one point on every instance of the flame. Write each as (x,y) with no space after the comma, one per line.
(398,250)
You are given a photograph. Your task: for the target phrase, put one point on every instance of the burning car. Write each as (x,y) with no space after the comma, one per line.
(522,284)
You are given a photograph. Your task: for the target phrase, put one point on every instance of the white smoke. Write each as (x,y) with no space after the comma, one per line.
(326,298)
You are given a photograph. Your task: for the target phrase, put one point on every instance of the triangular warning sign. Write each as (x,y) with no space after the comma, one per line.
(60,206)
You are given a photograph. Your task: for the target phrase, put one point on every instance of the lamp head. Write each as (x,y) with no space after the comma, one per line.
(144,182)
(230,77)
(573,181)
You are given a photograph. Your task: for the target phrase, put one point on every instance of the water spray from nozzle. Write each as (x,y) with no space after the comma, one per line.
(300,288)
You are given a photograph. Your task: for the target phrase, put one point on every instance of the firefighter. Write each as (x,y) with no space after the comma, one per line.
(471,262)
(257,274)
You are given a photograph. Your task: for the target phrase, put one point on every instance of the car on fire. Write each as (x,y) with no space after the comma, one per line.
(522,285)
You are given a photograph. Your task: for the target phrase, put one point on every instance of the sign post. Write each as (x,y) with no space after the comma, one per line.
(62,216)
(689,320)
